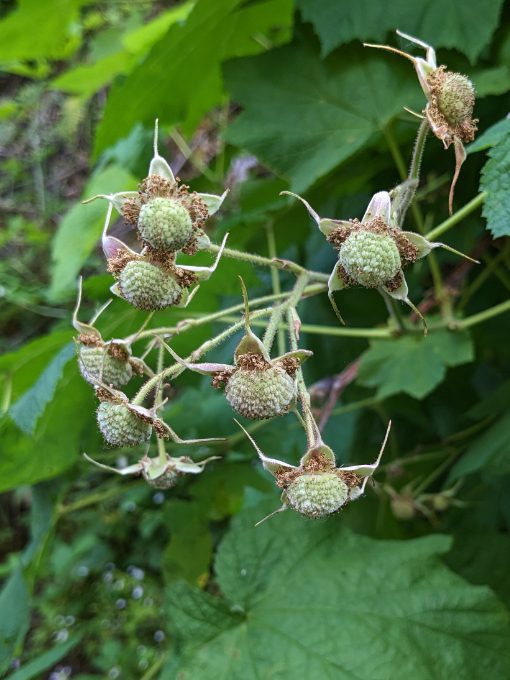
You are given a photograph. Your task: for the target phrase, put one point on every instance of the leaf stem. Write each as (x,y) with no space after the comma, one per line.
(473,204)
(483,316)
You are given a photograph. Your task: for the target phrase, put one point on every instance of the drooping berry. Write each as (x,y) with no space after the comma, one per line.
(317,495)
(456,97)
(147,286)
(260,394)
(166,480)
(165,224)
(98,365)
(370,259)
(120,426)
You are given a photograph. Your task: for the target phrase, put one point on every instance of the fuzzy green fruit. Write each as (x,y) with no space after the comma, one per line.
(97,365)
(120,427)
(456,98)
(147,286)
(260,394)
(317,495)
(165,224)
(165,481)
(370,259)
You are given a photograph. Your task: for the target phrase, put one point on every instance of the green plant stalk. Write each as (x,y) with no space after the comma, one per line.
(484,316)
(293,323)
(288,265)
(457,217)
(187,324)
(176,369)
(278,310)
(478,281)
(419,146)
(402,169)
(394,312)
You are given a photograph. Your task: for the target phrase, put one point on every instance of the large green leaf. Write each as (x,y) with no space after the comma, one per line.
(189,552)
(304,599)
(27,409)
(80,230)
(490,137)
(20,369)
(62,430)
(414,364)
(15,616)
(85,79)
(496,182)
(181,80)
(488,453)
(303,116)
(37,30)
(442,24)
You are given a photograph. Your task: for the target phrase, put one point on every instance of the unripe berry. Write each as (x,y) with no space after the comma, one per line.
(97,365)
(165,481)
(370,259)
(403,507)
(317,495)
(120,427)
(456,98)
(147,286)
(260,394)
(165,224)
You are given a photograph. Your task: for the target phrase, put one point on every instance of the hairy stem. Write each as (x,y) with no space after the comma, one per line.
(187,324)
(267,262)
(419,146)
(176,369)
(277,312)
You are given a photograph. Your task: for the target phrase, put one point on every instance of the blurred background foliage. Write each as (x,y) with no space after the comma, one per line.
(104,577)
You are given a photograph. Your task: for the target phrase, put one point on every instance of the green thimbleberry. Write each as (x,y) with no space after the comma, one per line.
(370,259)
(456,98)
(120,427)
(260,394)
(97,365)
(165,224)
(317,495)
(147,286)
(167,480)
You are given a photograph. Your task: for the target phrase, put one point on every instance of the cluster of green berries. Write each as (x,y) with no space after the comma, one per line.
(168,219)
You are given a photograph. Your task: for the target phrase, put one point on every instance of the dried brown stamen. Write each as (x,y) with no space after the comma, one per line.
(252,362)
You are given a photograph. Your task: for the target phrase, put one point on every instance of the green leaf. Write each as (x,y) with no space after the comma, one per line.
(80,230)
(62,432)
(303,116)
(434,21)
(85,79)
(37,30)
(495,181)
(415,364)
(43,662)
(186,63)
(491,136)
(190,549)
(307,599)
(15,619)
(28,408)
(488,453)
(491,81)
(20,369)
